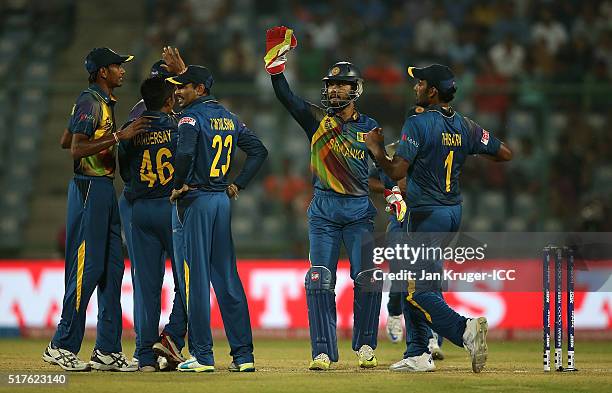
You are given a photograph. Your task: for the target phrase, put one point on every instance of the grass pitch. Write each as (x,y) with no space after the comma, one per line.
(281,367)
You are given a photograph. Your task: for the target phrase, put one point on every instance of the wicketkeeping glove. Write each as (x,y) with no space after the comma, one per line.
(279,41)
(395,203)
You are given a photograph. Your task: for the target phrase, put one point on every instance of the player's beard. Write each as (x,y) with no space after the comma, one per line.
(421,99)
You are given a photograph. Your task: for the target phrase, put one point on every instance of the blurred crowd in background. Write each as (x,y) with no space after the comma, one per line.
(537,74)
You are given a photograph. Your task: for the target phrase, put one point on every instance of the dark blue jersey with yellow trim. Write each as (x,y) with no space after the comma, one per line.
(436,143)
(93,115)
(146,162)
(338,154)
(208,137)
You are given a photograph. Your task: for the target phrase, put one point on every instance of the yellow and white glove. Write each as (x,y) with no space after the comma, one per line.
(279,41)
(395,203)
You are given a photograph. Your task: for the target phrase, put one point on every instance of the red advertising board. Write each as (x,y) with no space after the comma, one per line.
(31,296)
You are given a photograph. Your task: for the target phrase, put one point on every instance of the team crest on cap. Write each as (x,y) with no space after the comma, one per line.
(335,71)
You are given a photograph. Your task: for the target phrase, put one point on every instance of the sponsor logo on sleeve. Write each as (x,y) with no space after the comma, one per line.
(485,137)
(86,117)
(187,120)
(408,139)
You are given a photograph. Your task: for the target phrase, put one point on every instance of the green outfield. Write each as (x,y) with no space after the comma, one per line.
(281,367)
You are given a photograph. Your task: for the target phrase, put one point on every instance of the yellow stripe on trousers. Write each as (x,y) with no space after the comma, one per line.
(79,278)
(186,283)
(411,288)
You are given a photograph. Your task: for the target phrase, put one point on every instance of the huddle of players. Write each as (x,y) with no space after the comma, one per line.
(176,203)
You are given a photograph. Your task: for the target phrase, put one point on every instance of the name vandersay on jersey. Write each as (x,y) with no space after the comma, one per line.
(152,138)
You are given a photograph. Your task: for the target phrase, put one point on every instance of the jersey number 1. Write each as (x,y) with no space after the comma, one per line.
(218,143)
(146,169)
(448,164)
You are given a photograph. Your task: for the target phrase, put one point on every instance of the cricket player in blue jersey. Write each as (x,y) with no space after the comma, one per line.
(394,193)
(433,148)
(208,137)
(166,347)
(146,165)
(94,257)
(341,211)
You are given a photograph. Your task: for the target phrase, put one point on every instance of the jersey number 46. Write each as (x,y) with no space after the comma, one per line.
(150,174)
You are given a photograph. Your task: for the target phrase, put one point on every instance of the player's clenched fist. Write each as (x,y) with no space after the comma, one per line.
(374,140)
(279,41)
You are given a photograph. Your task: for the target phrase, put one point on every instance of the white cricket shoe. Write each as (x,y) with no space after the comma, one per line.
(366,356)
(113,361)
(475,342)
(64,358)
(320,362)
(134,361)
(395,331)
(420,363)
(434,348)
(192,365)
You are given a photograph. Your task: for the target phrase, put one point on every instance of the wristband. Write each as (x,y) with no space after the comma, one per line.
(116,137)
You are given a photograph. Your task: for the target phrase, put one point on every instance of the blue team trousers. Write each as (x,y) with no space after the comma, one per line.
(208,253)
(334,220)
(151,237)
(426,309)
(394,305)
(93,259)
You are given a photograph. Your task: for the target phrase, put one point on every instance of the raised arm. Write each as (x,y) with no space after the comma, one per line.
(279,41)
(302,111)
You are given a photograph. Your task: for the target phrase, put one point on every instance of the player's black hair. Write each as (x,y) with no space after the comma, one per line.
(155,91)
(93,77)
(446,96)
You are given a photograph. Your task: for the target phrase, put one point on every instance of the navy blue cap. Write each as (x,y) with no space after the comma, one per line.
(158,70)
(195,74)
(103,57)
(437,75)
